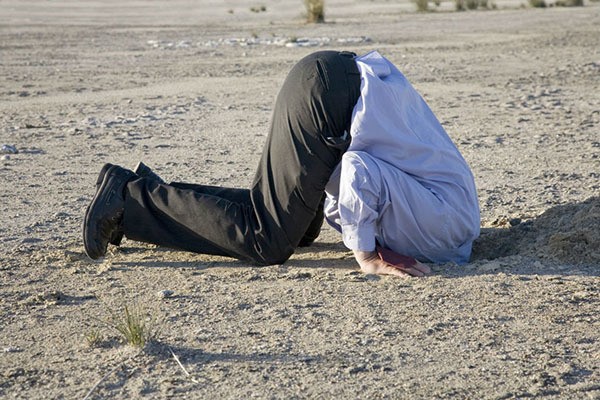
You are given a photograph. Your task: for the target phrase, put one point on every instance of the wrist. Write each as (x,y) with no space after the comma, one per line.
(365,256)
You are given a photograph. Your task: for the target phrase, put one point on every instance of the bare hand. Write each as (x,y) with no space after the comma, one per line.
(371,263)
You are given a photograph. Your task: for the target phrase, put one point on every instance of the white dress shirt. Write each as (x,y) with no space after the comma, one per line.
(402,183)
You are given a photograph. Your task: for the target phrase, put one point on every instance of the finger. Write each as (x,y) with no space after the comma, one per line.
(424,268)
(391,270)
(418,269)
(412,271)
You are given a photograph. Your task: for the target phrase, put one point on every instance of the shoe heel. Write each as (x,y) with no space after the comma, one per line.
(144,171)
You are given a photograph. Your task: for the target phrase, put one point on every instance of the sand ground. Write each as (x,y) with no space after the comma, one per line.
(188,87)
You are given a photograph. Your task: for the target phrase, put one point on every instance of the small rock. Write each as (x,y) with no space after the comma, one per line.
(581,295)
(8,149)
(53,296)
(31,240)
(356,370)
(165,294)
(47,298)
(299,275)
(490,266)
(527,97)
(14,373)
(255,277)
(12,349)
(149,116)
(90,121)
(514,221)
(5,157)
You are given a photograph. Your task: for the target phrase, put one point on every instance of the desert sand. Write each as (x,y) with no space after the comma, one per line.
(188,87)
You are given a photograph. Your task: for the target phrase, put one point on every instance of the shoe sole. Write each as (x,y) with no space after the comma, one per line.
(89,225)
(117,238)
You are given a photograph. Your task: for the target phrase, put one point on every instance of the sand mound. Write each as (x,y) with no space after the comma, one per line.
(568,233)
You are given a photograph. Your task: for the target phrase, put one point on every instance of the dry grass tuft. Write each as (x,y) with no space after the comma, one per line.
(132,325)
(537,3)
(94,337)
(315,11)
(422,5)
(462,5)
(569,3)
(257,9)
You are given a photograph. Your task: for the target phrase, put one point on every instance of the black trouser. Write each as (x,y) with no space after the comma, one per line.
(284,206)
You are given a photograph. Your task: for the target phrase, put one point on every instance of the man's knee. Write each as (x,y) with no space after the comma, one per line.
(275,258)
(272,255)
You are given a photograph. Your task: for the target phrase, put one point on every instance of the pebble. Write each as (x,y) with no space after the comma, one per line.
(299,275)
(357,369)
(307,42)
(8,149)
(372,277)
(12,349)
(490,266)
(514,221)
(581,295)
(165,294)
(90,121)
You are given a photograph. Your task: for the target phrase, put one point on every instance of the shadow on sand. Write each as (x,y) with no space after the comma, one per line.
(568,235)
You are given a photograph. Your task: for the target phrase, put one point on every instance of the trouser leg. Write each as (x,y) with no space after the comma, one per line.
(237,195)
(313,111)
(243,195)
(186,219)
(314,229)
(266,223)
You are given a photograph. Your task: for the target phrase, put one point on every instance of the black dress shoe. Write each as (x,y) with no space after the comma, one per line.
(141,170)
(105,168)
(117,236)
(104,214)
(144,171)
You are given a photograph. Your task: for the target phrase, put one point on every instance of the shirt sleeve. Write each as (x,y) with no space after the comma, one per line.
(359,199)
